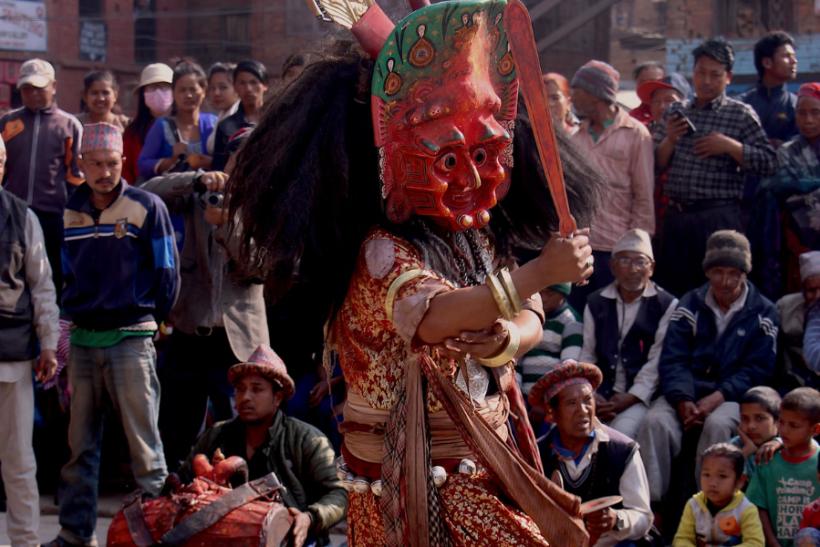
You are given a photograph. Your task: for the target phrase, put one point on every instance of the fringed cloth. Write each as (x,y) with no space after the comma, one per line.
(471,509)
(364,428)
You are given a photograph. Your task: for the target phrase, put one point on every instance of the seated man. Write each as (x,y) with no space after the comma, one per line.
(592,459)
(720,342)
(793,309)
(298,453)
(624,326)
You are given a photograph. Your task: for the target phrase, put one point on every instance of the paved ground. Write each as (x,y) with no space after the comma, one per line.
(108,506)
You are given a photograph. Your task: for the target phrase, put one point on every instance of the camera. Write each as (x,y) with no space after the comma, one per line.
(675,111)
(213,199)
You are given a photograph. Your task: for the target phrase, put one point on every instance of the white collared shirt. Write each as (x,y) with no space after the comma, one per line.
(646,381)
(722,319)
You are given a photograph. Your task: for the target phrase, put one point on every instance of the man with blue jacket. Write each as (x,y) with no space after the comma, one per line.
(721,341)
(121,279)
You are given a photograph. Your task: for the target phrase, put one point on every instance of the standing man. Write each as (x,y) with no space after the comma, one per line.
(43,143)
(660,95)
(28,326)
(624,327)
(250,80)
(218,319)
(776,64)
(708,146)
(621,148)
(121,280)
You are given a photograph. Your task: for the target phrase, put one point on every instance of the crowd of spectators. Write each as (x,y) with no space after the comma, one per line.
(693,352)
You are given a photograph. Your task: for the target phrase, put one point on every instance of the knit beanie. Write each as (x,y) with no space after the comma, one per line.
(599,79)
(730,249)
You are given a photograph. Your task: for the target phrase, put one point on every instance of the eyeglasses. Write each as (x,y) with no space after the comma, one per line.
(640,262)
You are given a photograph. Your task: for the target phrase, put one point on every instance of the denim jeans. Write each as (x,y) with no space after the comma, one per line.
(124,377)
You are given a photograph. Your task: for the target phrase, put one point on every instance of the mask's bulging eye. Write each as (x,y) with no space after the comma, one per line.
(479,156)
(448,161)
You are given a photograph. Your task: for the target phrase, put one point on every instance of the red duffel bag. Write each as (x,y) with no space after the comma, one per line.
(205,514)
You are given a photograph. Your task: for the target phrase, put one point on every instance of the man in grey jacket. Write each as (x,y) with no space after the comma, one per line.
(43,143)
(217,320)
(29,331)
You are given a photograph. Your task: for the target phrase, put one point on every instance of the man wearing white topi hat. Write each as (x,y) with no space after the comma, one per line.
(624,327)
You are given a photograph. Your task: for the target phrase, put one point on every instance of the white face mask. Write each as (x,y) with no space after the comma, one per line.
(159,101)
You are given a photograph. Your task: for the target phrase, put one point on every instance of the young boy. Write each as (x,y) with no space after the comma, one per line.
(720,514)
(784,486)
(757,439)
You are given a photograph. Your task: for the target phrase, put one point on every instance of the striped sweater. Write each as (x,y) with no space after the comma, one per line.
(563,339)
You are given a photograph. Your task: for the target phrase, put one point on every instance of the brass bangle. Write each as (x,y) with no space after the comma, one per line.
(500,297)
(508,353)
(398,283)
(509,287)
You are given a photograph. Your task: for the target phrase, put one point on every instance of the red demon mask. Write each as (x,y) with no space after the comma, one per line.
(444,102)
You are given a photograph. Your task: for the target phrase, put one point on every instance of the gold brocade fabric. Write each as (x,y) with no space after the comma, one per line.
(472,510)
(373,353)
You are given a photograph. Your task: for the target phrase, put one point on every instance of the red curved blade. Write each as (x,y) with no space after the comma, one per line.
(518,25)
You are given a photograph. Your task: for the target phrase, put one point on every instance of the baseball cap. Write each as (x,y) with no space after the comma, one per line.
(673,80)
(36,72)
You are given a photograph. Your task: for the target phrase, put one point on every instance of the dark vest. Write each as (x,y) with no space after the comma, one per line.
(17,339)
(603,476)
(634,350)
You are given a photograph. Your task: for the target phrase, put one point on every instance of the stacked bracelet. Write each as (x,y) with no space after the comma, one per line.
(509,351)
(509,288)
(502,300)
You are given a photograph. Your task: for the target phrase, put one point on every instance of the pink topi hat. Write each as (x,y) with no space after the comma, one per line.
(267,364)
(101,136)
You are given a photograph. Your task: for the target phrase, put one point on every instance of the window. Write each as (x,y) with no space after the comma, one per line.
(90,8)
(145,31)
(753,18)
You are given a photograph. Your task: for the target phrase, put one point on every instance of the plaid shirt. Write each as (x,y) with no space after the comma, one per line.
(718,177)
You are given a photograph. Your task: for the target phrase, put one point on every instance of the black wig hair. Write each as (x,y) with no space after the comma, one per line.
(305,190)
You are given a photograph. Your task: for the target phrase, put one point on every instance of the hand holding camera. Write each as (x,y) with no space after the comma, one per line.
(211,185)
